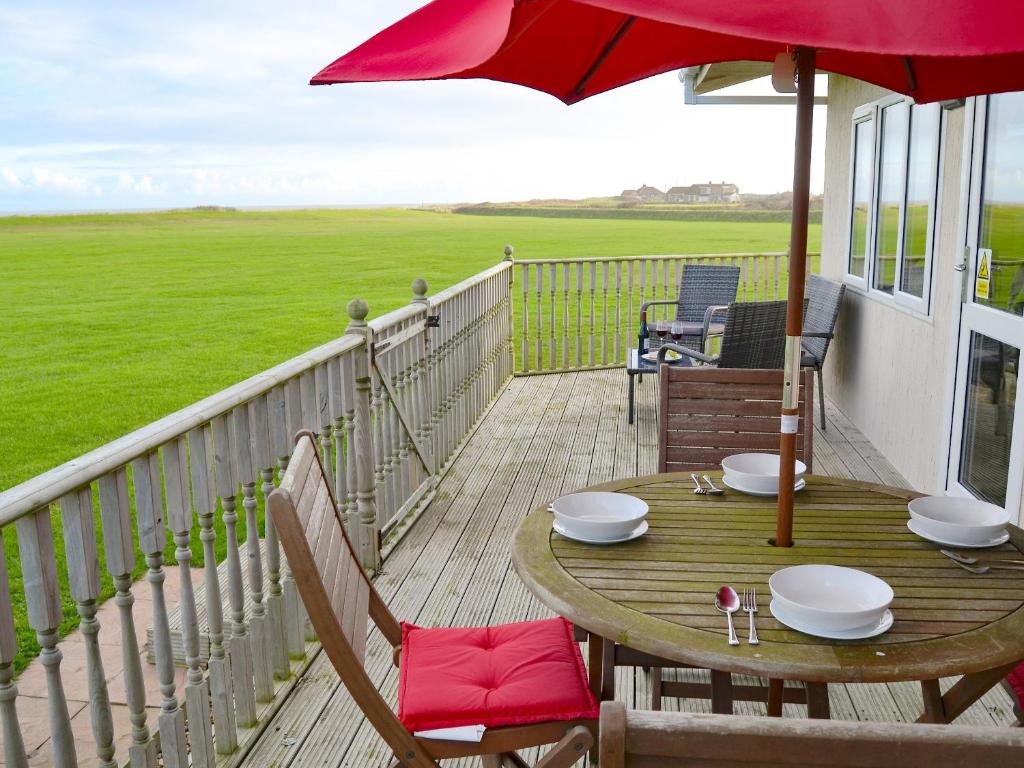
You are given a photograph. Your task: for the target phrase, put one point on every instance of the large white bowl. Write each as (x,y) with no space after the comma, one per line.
(830,597)
(960,520)
(759,472)
(599,514)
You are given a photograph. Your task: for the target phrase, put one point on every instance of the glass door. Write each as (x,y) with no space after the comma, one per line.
(987,445)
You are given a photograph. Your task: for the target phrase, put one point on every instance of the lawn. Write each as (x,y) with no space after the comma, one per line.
(112,321)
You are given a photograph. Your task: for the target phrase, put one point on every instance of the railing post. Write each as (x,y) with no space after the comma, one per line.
(42,596)
(510,329)
(280,446)
(422,377)
(368,541)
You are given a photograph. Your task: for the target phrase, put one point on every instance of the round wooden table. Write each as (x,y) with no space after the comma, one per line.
(655,595)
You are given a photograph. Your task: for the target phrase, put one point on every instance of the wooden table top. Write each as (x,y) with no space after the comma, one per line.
(656,594)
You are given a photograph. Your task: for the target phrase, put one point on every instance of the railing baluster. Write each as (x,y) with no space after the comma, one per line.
(42,598)
(334,387)
(227,430)
(294,611)
(204,495)
(115,513)
(579,314)
(179,519)
(326,428)
(84,582)
(14,745)
(775,264)
(149,512)
(618,311)
(630,265)
(565,315)
(592,359)
(525,364)
(261,464)
(604,312)
(280,446)
(552,287)
(539,275)
(349,409)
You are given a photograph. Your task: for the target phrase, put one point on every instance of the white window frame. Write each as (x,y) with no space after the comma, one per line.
(872,113)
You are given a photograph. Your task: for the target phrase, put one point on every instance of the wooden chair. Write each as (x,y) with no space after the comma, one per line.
(670,740)
(339,599)
(707,414)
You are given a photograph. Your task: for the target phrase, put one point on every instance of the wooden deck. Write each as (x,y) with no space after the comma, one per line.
(544,436)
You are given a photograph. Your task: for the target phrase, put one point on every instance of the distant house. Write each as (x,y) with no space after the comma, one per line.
(704,193)
(630,194)
(651,194)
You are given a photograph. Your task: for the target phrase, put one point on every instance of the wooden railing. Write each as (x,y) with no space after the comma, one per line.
(391,401)
(577,314)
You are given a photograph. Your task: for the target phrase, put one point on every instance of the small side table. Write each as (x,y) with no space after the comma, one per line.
(637,367)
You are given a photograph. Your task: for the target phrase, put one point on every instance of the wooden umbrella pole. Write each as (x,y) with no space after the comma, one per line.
(795,298)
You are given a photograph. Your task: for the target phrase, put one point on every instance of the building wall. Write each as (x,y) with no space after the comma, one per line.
(889,369)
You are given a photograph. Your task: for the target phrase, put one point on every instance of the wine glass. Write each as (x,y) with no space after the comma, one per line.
(677,331)
(661,328)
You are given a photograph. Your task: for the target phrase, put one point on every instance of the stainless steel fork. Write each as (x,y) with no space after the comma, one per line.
(750,607)
(699,488)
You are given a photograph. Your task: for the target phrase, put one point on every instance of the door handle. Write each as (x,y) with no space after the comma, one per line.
(961,267)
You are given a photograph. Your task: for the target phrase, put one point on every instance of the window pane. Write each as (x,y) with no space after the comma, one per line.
(891,175)
(863,165)
(988,418)
(1002,226)
(921,180)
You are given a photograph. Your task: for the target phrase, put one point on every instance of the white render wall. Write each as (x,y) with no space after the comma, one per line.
(889,369)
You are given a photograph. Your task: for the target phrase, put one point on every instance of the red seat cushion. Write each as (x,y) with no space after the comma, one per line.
(1016,681)
(512,674)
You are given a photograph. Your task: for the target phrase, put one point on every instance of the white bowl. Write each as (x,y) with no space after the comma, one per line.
(965,521)
(759,472)
(599,514)
(830,597)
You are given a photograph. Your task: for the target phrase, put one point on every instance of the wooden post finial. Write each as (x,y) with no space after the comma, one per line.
(509,250)
(419,289)
(357,312)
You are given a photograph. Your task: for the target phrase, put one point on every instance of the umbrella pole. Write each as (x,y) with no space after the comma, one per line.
(795,298)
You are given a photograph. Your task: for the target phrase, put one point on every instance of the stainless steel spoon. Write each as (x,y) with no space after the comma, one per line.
(713,488)
(982,569)
(728,602)
(974,561)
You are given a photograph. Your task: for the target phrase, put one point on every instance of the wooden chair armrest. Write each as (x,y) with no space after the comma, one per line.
(396,656)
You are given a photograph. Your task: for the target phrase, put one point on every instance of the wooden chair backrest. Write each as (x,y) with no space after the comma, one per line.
(337,593)
(631,739)
(709,413)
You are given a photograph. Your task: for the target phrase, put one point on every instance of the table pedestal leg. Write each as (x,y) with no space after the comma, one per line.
(817,701)
(721,692)
(775,697)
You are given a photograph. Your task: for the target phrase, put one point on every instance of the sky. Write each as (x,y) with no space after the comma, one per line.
(113,105)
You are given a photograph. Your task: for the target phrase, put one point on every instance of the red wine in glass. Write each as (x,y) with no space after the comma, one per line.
(661,329)
(677,331)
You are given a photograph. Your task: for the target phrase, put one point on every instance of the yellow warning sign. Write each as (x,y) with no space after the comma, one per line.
(982,276)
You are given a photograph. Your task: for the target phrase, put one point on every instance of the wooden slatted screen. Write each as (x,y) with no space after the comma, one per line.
(707,414)
(305,504)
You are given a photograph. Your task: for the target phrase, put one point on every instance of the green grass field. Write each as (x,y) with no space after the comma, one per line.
(112,321)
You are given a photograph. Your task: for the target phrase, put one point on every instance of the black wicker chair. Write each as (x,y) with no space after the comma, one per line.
(704,292)
(754,337)
(824,299)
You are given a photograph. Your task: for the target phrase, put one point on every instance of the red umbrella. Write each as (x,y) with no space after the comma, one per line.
(928,49)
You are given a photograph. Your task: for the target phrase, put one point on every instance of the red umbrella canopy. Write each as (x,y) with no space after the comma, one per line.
(572,49)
